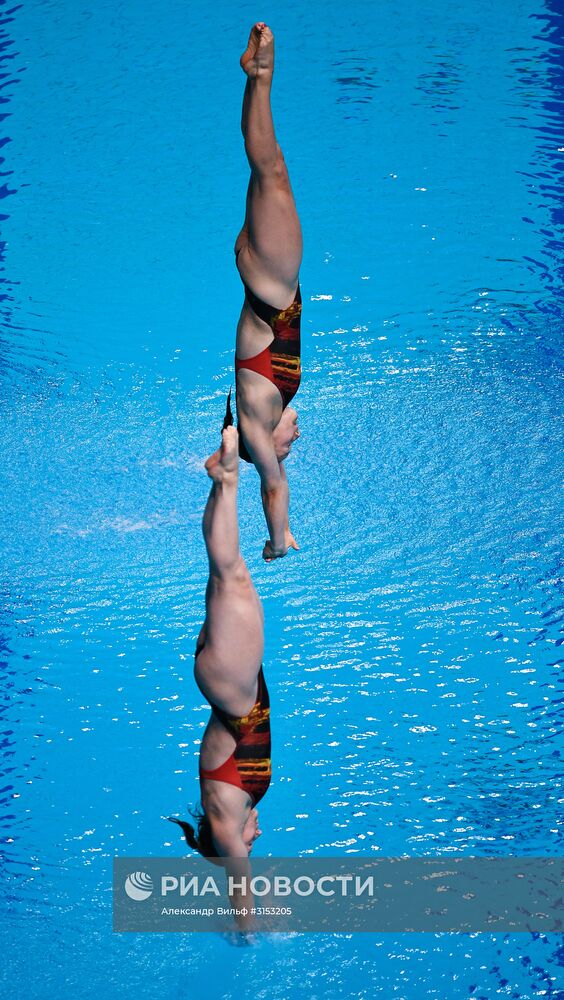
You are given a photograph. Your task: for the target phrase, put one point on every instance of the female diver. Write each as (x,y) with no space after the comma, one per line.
(268,253)
(235,763)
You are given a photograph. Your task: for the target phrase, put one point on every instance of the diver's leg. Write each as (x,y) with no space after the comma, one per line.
(233,632)
(220,526)
(274,248)
(243,237)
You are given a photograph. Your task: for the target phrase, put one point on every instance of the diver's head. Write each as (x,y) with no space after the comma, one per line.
(251,830)
(202,840)
(285,433)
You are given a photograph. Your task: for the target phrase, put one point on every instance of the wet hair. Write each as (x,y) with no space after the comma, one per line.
(228,418)
(228,421)
(200,840)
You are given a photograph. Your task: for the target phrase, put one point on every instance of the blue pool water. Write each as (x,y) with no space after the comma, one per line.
(413,645)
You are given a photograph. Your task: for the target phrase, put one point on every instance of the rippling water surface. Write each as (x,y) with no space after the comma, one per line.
(413,646)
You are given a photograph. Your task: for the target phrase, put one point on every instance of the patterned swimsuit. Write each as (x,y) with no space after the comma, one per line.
(249,766)
(280,362)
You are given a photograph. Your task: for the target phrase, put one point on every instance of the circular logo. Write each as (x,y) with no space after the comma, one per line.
(138,885)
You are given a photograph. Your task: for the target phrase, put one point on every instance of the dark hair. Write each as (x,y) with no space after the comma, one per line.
(202,842)
(228,421)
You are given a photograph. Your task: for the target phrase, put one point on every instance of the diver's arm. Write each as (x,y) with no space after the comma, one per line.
(289,540)
(273,485)
(275,501)
(235,860)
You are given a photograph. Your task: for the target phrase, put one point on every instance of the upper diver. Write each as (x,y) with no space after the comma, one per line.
(268,255)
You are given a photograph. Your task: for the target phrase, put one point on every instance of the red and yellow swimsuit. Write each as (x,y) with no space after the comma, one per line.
(280,362)
(249,766)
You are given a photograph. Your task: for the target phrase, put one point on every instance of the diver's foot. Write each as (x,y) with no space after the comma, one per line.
(223,465)
(258,58)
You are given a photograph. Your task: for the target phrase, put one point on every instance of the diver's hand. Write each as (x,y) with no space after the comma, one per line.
(289,541)
(241,939)
(269,553)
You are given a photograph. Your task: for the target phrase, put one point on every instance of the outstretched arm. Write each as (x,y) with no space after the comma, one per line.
(273,483)
(232,850)
(275,500)
(289,540)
